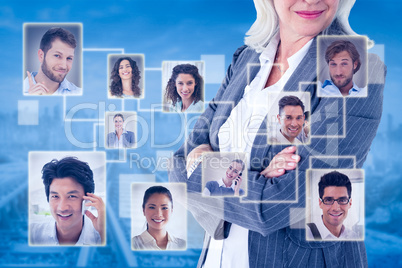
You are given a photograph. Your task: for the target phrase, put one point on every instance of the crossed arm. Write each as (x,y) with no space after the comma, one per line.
(338,127)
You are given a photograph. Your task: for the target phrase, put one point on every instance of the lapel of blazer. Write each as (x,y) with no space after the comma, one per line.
(125,140)
(243,73)
(246,68)
(305,72)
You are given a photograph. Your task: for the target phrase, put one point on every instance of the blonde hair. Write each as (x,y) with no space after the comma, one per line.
(266,24)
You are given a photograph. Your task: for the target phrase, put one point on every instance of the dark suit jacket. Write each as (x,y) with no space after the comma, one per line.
(339,127)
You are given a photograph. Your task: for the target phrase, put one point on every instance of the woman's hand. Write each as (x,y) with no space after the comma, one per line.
(197,152)
(306,128)
(285,160)
(119,132)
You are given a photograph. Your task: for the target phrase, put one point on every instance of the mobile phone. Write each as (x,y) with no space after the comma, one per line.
(84,208)
(238,177)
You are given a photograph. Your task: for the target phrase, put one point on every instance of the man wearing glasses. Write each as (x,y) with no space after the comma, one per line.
(335,200)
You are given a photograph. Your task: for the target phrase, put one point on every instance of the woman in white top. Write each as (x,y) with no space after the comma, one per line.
(157,207)
(184,90)
(280,55)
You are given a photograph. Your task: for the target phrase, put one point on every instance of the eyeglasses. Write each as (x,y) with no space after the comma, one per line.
(330,200)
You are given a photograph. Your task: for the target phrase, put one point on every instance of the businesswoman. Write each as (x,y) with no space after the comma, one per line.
(120,138)
(184,90)
(125,79)
(280,55)
(157,207)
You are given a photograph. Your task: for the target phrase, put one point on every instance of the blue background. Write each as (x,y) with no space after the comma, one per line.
(166,30)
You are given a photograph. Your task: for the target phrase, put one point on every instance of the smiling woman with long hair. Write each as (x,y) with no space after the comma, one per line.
(125,78)
(184,90)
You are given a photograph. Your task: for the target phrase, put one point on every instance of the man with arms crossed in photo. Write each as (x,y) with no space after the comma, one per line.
(68,183)
(56,56)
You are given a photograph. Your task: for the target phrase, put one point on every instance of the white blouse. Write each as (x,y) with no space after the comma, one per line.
(146,241)
(237,134)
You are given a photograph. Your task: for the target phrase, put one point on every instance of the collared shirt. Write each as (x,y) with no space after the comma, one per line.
(193,108)
(278,138)
(146,241)
(118,143)
(220,189)
(346,234)
(329,89)
(44,234)
(65,87)
(237,134)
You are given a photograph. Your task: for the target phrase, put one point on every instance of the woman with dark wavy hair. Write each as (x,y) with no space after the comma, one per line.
(125,78)
(184,90)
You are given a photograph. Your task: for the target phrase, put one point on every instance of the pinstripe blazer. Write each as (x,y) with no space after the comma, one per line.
(339,126)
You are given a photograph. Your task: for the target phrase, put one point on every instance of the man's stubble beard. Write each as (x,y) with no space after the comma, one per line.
(342,85)
(48,72)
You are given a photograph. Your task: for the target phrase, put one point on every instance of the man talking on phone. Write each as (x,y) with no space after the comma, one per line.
(69,187)
(230,184)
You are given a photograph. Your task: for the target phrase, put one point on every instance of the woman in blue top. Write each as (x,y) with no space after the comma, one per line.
(184,90)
